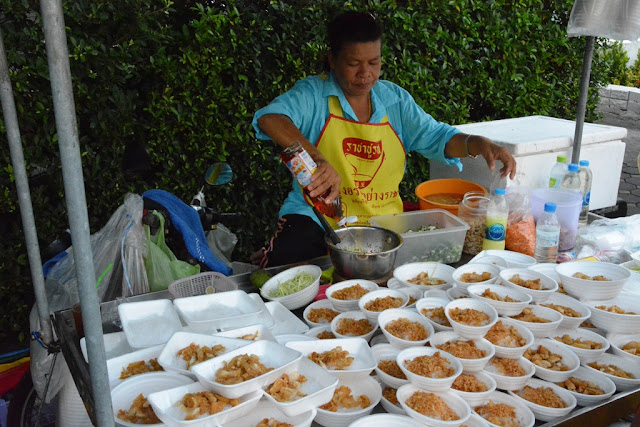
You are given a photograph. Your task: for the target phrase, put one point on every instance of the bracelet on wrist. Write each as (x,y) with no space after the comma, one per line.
(466,148)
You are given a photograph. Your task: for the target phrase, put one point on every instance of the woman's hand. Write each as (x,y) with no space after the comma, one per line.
(325,177)
(492,152)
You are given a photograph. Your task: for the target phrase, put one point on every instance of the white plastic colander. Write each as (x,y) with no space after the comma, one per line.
(203,283)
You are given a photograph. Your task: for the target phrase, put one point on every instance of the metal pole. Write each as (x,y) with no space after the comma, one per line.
(60,75)
(24,196)
(582,100)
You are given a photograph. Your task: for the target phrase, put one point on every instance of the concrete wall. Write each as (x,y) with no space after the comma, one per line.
(623,101)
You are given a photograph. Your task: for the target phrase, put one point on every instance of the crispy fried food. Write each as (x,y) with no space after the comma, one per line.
(579,343)
(287,387)
(424,279)
(597,278)
(431,405)
(561,289)
(508,367)
(434,366)
(342,398)
(611,370)
(587,324)
(544,396)
(632,347)
(475,277)
(499,414)
(383,303)
(140,412)
(325,335)
(204,403)
(462,349)
(241,368)
(354,327)
(469,316)
(194,354)
(250,337)
(322,315)
(564,310)
(581,386)
(272,422)
(140,367)
(545,358)
(389,393)
(504,335)
(488,293)
(533,284)
(615,309)
(405,329)
(528,315)
(352,292)
(437,315)
(411,300)
(392,368)
(469,383)
(336,358)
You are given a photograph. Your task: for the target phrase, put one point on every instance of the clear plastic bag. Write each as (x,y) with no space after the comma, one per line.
(611,235)
(222,241)
(521,228)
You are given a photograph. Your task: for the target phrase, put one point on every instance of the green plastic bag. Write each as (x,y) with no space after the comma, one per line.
(161,264)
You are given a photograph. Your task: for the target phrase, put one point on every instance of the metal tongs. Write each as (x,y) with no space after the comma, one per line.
(332,234)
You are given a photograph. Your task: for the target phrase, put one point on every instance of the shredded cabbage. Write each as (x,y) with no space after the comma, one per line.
(301,280)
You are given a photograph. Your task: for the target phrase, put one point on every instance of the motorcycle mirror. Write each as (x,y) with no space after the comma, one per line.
(218,174)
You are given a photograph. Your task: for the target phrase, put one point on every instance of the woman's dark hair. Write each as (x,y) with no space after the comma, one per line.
(353,27)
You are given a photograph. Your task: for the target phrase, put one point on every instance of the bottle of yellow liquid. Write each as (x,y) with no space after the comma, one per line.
(497,215)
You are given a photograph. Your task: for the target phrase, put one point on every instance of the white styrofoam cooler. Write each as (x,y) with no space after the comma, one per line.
(535,142)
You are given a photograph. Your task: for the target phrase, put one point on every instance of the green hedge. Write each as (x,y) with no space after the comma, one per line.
(184,79)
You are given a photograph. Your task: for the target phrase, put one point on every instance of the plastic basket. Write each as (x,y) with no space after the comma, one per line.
(199,284)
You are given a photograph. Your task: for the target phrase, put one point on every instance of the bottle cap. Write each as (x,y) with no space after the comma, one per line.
(549,207)
(573,167)
(561,159)
(584,162)
(499,191)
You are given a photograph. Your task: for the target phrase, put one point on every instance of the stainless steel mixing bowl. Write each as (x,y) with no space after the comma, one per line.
(364,252)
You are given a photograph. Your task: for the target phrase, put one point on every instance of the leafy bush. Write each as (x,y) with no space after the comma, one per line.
(185,79)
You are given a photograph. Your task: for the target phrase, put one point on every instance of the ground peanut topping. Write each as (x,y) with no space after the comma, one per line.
(389,393)
(140,367)
(437,315)
(326,335)
(499,414)
(354,327)
(287,387)
(504,335)
(475,277)
(434,366)
(431,405)
(194,354)
(565,311)
(544,358)
(462,349)
(544,396)
(488,293)
(581,386)
(407,330)
(533,284)
(383,303)
(392,368)
(469,383)
(615,309)
(411,300)
(611,370)
(579,343)
(322,315)
(597,278)
(508,367)
(424,279)
(528,315)
(352,292)
(336,358)
(469,316)
(632,347)
(342,398)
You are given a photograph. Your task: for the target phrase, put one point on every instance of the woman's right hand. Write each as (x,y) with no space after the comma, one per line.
(325,177)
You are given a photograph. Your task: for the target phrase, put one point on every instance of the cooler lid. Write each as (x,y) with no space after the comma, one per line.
(533,134)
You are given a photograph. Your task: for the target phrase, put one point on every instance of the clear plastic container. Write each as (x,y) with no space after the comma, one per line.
(558,171)
(547,235)
(497,216)
(473,211)
(569,203)
(586,179)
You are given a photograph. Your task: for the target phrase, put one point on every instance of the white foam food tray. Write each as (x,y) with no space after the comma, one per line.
(165,405)
(115,344)
(345,416)
(266,409)
(220,310)
(170,360)
(117,364)
(263,333)
(285,321)
(264,317)
(149,323)
(363,360)
(271,355)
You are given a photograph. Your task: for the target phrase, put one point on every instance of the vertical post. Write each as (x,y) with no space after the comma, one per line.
(24,195)
(61,87)
(582,100)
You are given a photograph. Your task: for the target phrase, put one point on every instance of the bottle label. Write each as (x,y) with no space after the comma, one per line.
(302,167)
(552,182)
(586,199)
(495,232)
(547,239)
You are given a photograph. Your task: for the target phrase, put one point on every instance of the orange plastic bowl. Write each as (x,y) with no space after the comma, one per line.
(445,186)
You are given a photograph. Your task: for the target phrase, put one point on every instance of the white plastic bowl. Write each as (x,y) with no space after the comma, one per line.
(549,286)
(457,292)
(541,330)
(350,304)
(525,417)
(468,365)
(265,409)
(591,289)
(380,293)
(357,315)
(123,395)
(585,355)
(391,408)
(476,398)
(285,338)
(394,283)
(314,332)
(468,331)
(514,352)
(263,333)
(438,293)
(297,299)
(505,382)
(545,413)
(343,417)
(388,316)
(387,352)
(475,268)
(512,258)
(455,402)
(320,304)
(429,303)
(428,383)
(618,341)
(416,294)
(569,358)
(616,323)
(622,384)
(605,384)
(569,322)
(387,420)
(437,270)
(489,259)
(149,323)
(503,308)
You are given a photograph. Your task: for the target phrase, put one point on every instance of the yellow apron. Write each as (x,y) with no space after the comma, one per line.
(370,159)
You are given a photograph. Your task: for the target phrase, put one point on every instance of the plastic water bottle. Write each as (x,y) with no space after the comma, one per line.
(496,226)
(586,179)
(558,171)
(547,235)
(571,180)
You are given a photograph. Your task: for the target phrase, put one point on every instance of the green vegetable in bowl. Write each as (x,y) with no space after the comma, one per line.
(423,228)
(301,280)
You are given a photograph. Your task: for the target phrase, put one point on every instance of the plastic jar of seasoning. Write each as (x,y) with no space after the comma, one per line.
(473,211)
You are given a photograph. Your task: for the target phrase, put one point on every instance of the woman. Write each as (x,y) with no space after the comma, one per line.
(358,130)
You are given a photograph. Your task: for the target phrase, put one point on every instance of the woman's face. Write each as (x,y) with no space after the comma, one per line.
(357,67)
